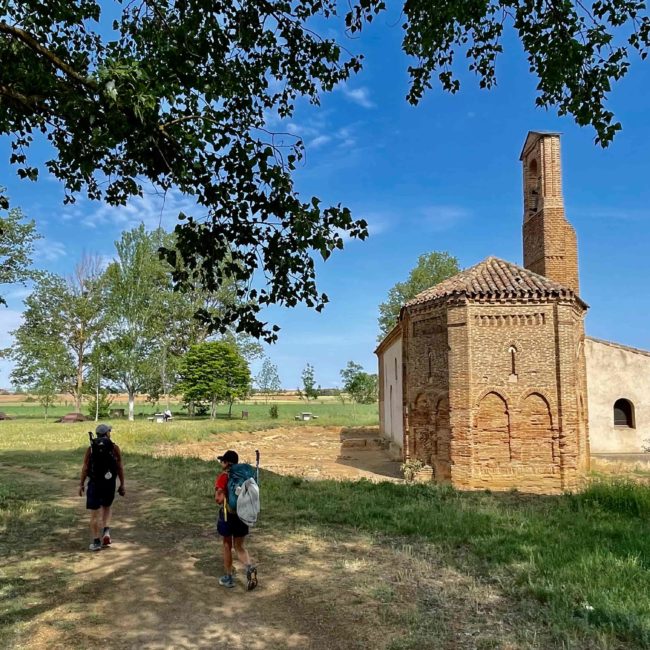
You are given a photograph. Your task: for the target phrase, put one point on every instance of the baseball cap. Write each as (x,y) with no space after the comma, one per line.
(103,429)
(229,457)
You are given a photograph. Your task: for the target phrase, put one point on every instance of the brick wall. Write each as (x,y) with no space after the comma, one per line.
(427,387)
(493,392)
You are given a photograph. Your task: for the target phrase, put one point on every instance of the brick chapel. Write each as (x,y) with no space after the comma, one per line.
(488,367)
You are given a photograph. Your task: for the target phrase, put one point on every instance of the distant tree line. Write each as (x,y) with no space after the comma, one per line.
(122,327)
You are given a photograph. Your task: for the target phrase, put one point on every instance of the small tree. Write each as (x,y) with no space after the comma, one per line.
(99,404)
(214,372)
(268,380)
(359,385)
(309,390)
(45,391)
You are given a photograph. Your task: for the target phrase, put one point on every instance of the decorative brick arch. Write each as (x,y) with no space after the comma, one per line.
(497,390)
(534,441)
(550,403)
(491,433)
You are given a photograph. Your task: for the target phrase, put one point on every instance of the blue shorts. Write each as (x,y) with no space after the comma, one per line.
(101,493)
(234,527)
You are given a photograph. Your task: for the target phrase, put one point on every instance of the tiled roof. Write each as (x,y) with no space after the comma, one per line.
(494,278)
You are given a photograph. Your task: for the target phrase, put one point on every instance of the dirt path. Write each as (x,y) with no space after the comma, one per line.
(160,590)
(312,452)
(155,590)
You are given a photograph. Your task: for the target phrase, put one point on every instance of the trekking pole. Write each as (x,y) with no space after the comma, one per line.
(257,466)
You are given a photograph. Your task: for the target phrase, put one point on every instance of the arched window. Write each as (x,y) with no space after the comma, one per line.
(430,364)
(624,413)
(513,359)
(395,367)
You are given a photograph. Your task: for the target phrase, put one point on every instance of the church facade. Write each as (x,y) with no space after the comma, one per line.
(484,379)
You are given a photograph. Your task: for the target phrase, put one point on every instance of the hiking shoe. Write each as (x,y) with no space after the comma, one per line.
(106,537)
(96,545)
(251,578)
(227,581)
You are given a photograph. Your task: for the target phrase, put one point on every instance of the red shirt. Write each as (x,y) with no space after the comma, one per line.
(222,481)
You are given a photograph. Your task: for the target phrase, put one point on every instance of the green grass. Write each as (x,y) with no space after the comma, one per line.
(578,565)
(328,412)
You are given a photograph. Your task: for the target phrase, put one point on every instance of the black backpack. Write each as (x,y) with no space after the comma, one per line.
(102,458)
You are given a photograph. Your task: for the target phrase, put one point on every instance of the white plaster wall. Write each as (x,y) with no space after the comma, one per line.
(613,373)
(393,426)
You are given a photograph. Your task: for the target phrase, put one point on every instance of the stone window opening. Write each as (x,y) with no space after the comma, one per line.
(624,414)
(430,357)
(395,368)
(512,351)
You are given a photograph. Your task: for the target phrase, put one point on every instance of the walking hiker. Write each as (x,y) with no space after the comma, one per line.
(230,527)
(102,466)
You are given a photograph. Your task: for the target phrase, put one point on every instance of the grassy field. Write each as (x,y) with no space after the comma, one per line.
(570,571)
(328,411)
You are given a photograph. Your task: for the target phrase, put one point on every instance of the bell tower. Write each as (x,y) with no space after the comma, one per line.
(550,244)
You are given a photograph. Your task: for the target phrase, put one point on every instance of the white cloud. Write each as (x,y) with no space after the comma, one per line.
(316,132)
(152,209)
(319,141)
(50,250)
(19,293)
(444,217)
(360,96)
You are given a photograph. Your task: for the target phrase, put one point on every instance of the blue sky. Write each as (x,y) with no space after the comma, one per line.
(441,176)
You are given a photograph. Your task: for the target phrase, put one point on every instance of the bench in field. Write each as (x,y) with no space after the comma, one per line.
(305,417)
(160,417)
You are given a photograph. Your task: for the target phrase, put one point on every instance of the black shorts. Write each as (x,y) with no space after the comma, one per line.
(100,493)
(234,527)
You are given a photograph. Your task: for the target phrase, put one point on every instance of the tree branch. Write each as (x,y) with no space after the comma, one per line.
(32,43)
(27,100)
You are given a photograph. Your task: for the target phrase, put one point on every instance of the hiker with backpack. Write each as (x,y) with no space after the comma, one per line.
(237,494)
(102,466)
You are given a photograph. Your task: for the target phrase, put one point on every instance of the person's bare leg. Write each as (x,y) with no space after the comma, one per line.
(107,513)
(251,571)
(242,553)
(95,523)
(227,555)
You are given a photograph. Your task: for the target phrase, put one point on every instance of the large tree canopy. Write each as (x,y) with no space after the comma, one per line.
(17,239)
(62,322)
(178,94)
(431,269)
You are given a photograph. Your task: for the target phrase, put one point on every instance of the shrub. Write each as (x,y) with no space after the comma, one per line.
(410,468)
(273,411)
(105,401)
